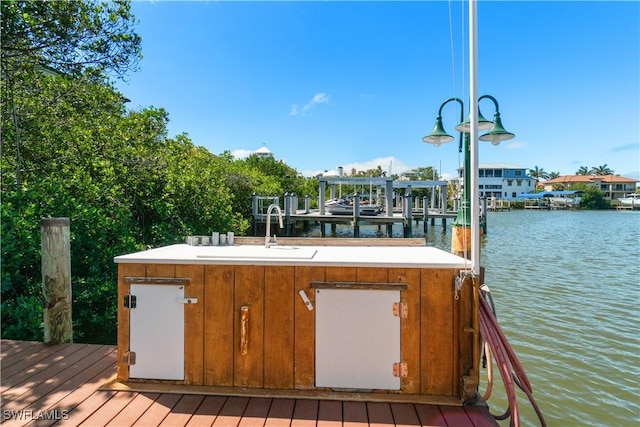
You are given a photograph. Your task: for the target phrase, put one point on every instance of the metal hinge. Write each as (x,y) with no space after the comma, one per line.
(130,358)
(400,370)
(400,309)
(130,301)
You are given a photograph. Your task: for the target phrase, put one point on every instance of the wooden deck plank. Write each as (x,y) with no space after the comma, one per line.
(42,372)
(109,410)
(207,412)
(430,415)
(134,410)
(88,406)
(256,412)
(354,414)
(158,410)
(231,413)
(456,418)
(480,416)
(9,348)
(44,394)
(280,413)
(404,414)
(379,414)
(182,412)
(73,390)
(20,369)
(305,413)
(329,413)
(76,397)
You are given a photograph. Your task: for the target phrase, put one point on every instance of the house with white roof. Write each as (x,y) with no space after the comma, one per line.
(263,152)
(502,181)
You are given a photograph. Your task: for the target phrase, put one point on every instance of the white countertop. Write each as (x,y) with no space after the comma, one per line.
(294,255)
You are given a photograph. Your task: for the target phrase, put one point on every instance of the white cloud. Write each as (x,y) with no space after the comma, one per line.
(318,98)
(241,153)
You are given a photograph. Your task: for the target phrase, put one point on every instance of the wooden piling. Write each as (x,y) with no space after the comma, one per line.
(56,280)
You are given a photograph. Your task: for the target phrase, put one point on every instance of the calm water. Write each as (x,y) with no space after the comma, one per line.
(567,292)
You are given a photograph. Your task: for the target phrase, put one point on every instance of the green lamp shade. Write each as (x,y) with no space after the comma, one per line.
(497,133)
(483,124)
(438,135)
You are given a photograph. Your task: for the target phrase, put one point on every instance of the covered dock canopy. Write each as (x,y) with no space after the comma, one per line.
(377,181)
(557,193)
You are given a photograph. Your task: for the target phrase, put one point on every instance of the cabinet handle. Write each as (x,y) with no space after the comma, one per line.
(244,330)
(187,300)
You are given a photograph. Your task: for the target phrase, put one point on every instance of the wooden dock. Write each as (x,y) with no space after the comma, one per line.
(386,222)
(68,385)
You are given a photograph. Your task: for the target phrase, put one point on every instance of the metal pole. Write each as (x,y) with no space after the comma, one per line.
(474,190)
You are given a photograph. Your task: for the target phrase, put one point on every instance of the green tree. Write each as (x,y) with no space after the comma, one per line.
(601,170)
(120,180)
(70,37)
(71,149)
(593,198)
(81,40)
(583,170)
(538,173)
(453,191)
(553,175)
(426,174)
(289,179)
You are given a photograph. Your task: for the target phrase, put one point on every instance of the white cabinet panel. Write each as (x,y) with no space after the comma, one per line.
(357,338)
(157,332)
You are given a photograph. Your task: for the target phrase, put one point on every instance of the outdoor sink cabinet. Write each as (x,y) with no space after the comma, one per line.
(324,318)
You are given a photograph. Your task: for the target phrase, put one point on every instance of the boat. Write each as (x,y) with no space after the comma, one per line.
(344,206)
(632,199)
(347,209)
(564,202)
(560,199)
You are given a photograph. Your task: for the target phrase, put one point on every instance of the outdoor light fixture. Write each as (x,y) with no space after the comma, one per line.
(483,124)
(438,135)
(496,134)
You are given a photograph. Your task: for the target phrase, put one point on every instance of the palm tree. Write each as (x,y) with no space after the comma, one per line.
(538,173)
(601,170)
(453,191)
(583,171)
(553,175)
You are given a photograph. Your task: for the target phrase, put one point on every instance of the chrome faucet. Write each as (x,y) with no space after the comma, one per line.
(268,241)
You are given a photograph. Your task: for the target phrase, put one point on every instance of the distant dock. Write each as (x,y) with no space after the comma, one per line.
(294,218)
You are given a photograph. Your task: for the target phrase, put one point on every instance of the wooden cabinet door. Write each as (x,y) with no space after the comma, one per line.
(157,332)
(357,338)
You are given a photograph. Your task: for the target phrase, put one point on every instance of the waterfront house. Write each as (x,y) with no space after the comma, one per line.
(613,186)
(502,181)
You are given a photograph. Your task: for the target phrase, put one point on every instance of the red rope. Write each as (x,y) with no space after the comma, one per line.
(503,367)
(508,364)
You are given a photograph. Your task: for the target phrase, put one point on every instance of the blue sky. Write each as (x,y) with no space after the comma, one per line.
(358,84)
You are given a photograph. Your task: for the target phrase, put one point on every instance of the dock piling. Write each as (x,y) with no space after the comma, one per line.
(56,280)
